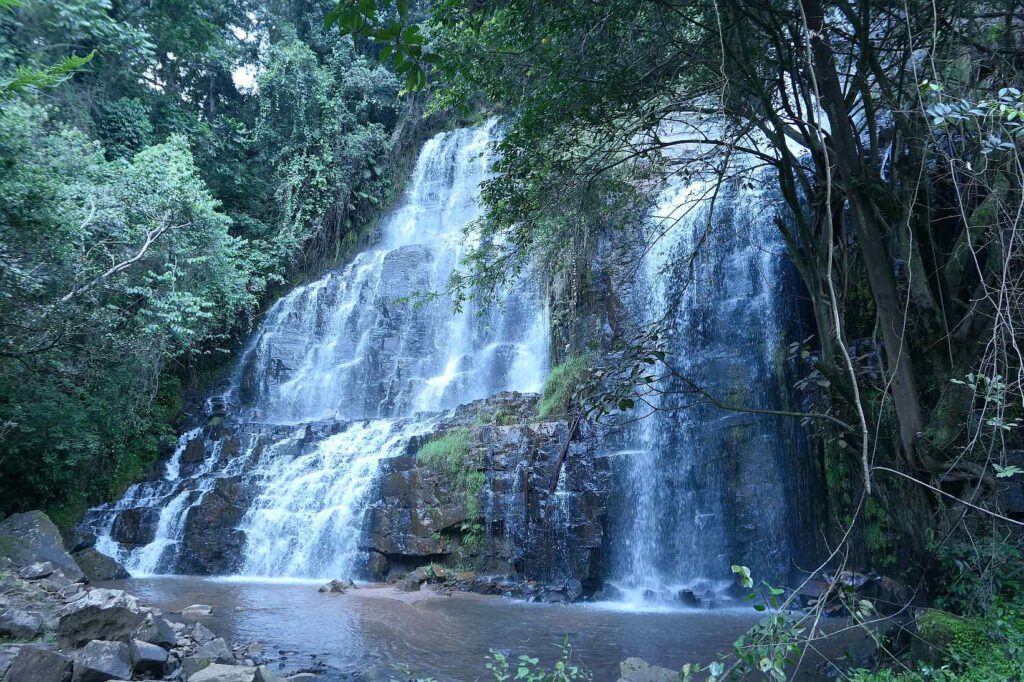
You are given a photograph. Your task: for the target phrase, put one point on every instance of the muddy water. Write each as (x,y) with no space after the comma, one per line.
(443,637)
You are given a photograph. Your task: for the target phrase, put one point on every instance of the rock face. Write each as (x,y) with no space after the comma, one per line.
(135,526)
(212,543)
(522,529)
(31,538)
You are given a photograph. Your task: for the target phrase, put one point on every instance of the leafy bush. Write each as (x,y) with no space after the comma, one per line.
(561,385)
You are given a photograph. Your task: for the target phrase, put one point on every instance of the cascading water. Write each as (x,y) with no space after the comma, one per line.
(703,488)
(285,497)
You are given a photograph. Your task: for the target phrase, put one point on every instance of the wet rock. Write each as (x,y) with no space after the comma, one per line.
(38,664)
(212,542)
(336,586)
(639,670)
(419,516)
(99,615)
(30,538)
(7,654)
(197,610)
(377,565)
(226,673)
(98,566)
(36,571)
(101,661)
(252,651)
(216,650)
(20,624)
(202,634)
(307,677)
(147,659)
(79,538)
(135,527)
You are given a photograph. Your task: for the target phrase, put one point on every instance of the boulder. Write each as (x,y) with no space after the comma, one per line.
(408,584)
(147,659)
(101,661)
(30,538)
(20,624)
(156,630)
(79,538)
(226,673)
(197,610)
(37,664)
(37,571)
(639,670)
(98,566)
(336,586)
(99,615)
(202,634)
(216,650)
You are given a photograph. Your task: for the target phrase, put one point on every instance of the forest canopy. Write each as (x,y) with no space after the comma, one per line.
(163,168)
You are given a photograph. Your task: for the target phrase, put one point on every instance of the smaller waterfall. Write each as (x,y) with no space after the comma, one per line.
(705,488)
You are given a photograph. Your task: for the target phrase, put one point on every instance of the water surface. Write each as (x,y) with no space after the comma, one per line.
(444,637)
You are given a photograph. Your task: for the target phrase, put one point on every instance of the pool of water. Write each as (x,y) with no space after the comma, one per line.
(444,637)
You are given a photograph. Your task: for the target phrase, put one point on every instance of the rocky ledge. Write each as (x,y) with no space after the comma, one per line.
(495,500)
(56,627)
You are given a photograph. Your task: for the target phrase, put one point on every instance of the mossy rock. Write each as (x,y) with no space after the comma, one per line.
(943,635)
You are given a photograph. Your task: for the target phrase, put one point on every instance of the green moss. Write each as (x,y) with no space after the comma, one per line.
(561,385)
(964,649)
(447,456)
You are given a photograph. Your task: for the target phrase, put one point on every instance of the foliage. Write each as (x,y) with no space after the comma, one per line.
(110,269)
(530,669)
(561,386)
(447,455)
(150,204)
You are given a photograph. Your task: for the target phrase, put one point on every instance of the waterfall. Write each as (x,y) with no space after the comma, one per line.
(336,379)
(704,488)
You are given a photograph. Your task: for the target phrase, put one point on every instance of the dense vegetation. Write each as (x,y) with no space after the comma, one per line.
(163,167)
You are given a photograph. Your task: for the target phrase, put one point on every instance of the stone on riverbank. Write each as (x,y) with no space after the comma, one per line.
(147,659)
(227,673)
(639,670)
(101,661)
(38,664)
(101,614)
(20,624)
(197,610)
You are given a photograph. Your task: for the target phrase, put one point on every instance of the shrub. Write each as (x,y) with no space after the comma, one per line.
(561,385)
(446,455)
